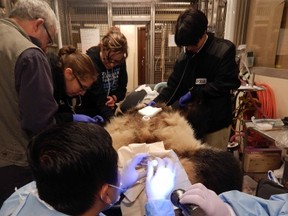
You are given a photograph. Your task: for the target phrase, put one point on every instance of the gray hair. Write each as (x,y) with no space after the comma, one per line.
(33,9)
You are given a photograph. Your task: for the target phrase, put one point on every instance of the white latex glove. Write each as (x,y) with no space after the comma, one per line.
(160,179)
(206,199)
(131,172)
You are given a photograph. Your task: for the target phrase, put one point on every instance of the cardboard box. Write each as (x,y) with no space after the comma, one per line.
(261,159)
(263,30)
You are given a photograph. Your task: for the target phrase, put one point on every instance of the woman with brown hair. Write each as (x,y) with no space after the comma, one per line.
(73,74)
(109,59)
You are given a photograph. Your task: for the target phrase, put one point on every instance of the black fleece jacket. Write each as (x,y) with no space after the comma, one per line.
(114,81)
(209,75)
(92,105)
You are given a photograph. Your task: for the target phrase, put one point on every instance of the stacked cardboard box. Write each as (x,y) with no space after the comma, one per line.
(261,159)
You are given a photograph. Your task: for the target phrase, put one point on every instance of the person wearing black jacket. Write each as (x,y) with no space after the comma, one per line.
(203,77)
(109,59)
(73,74)
(26,90)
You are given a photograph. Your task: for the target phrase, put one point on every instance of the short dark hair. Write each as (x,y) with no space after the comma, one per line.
(70,163)
(190,27)
(210,165)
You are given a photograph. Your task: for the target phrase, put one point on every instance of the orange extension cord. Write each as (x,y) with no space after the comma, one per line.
(267,101)
(266,109)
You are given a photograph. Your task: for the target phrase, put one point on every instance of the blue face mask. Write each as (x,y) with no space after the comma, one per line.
(119,190)
(112,203)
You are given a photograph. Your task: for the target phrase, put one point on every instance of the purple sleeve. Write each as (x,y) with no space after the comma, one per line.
(34,85)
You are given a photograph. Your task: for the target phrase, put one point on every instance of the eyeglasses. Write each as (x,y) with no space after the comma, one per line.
(113,61)
(83,88)
(116,187)
(50,42)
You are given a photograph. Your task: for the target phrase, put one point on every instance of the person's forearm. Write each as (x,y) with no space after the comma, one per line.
(159,208)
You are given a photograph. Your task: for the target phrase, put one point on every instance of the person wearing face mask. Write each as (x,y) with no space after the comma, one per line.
(26,86)
(109,59)
(73,74)
(75,171)
(203,77)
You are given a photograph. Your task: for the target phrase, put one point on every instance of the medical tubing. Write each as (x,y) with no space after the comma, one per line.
(185,69)
(189,58)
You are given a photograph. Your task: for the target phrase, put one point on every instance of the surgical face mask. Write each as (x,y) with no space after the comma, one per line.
(111,203)
(120,190)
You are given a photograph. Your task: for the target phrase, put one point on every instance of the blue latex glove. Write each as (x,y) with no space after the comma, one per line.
(184,99)
(151,103)
(131,172)
(99,119)
(83,118)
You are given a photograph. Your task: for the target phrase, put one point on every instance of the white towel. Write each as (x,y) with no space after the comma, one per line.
(135,197)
